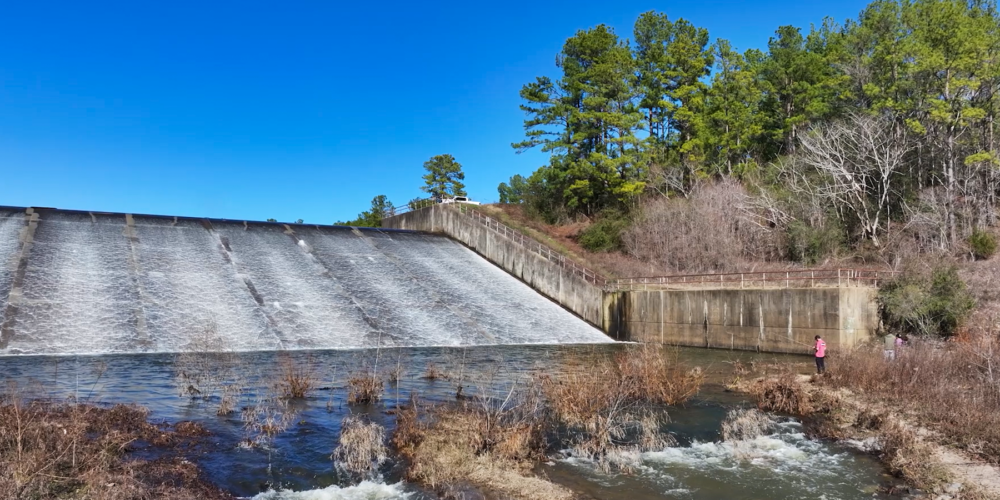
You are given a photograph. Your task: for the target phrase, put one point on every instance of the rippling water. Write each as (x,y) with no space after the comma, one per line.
(297,465)
(108,283)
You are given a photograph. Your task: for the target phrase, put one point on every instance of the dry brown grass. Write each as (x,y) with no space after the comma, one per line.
(435,373)
(745,424)
(618,404)
(492,439)
(229,399)
(364,388)
(486,443)
(52,450)
(268,416)
(296,378)
(656,373)
(782,394)
(206,370)
(907,456)
(952,388)
(361,449)
(392,375)
(741,427)
(833,413)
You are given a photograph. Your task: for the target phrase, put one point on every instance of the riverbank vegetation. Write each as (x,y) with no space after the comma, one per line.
(68,450)
(929,414)
(492,440)
(951,389)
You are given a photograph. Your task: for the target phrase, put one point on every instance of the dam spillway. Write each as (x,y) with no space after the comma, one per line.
(93,283)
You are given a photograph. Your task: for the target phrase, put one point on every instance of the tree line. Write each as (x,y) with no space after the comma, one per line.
(878,129)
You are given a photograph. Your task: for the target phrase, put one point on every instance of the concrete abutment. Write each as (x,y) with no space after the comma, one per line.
(760,319)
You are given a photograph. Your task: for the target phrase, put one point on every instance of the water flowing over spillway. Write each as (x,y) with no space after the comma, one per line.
(78,282)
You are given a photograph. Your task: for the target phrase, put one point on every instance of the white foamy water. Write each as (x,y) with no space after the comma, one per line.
(366,490)
(785,464)
(95,285)
(11,223)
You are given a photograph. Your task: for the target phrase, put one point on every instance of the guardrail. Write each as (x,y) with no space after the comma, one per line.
(411,206)
(786,279)
(534,246)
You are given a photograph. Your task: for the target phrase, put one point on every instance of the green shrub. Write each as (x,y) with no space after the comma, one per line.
(604,235)
(809,245)
(982,244)
(932,303)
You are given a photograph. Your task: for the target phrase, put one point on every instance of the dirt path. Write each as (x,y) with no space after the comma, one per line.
(968,471)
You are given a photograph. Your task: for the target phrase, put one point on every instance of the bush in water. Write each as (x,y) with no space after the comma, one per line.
(361,449)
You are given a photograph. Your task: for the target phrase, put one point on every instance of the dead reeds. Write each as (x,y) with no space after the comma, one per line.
(207,370)
(50,450)
(655,373)
(907,456)
(297,378)
(361,449)
(782,394)
(364,388)
(952,388)
(618,405)
(268,416)
(488,443)
(745,424)
(435,373)
(492,438)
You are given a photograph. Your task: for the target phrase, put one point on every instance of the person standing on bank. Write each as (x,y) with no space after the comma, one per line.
(820,349)
(889,349)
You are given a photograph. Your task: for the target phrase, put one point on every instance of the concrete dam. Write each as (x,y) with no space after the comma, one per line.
(93,283)
(755,314)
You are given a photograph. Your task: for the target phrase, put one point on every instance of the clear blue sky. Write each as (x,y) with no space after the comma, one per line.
(250,110)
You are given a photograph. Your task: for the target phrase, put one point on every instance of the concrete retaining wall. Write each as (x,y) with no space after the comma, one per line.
(551,280)
(772,320)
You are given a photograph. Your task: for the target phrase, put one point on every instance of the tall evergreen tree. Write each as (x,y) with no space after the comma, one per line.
(673,60)
(735,122)
(803,81)
(444,177)
(588,119)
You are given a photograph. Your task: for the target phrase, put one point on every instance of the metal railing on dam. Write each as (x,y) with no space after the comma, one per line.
(792,278)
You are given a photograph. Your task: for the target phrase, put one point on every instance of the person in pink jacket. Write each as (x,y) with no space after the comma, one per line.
(820,349)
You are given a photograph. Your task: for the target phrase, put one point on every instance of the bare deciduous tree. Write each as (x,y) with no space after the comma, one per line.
(859,162)
(717,228)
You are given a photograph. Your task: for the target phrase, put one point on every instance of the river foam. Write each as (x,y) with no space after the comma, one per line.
(366,490)
(781,464)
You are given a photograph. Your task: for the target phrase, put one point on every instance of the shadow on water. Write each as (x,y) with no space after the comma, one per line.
(784,464)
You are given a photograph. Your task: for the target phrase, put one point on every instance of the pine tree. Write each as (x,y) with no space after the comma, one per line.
(444,177)
(735,123)
(588,119)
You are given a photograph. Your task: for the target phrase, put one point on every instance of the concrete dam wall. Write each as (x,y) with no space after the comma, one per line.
(769,320)
(564,287)
(80,282)
(764,319)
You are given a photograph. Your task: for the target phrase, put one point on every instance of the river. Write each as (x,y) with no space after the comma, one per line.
(783,464)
